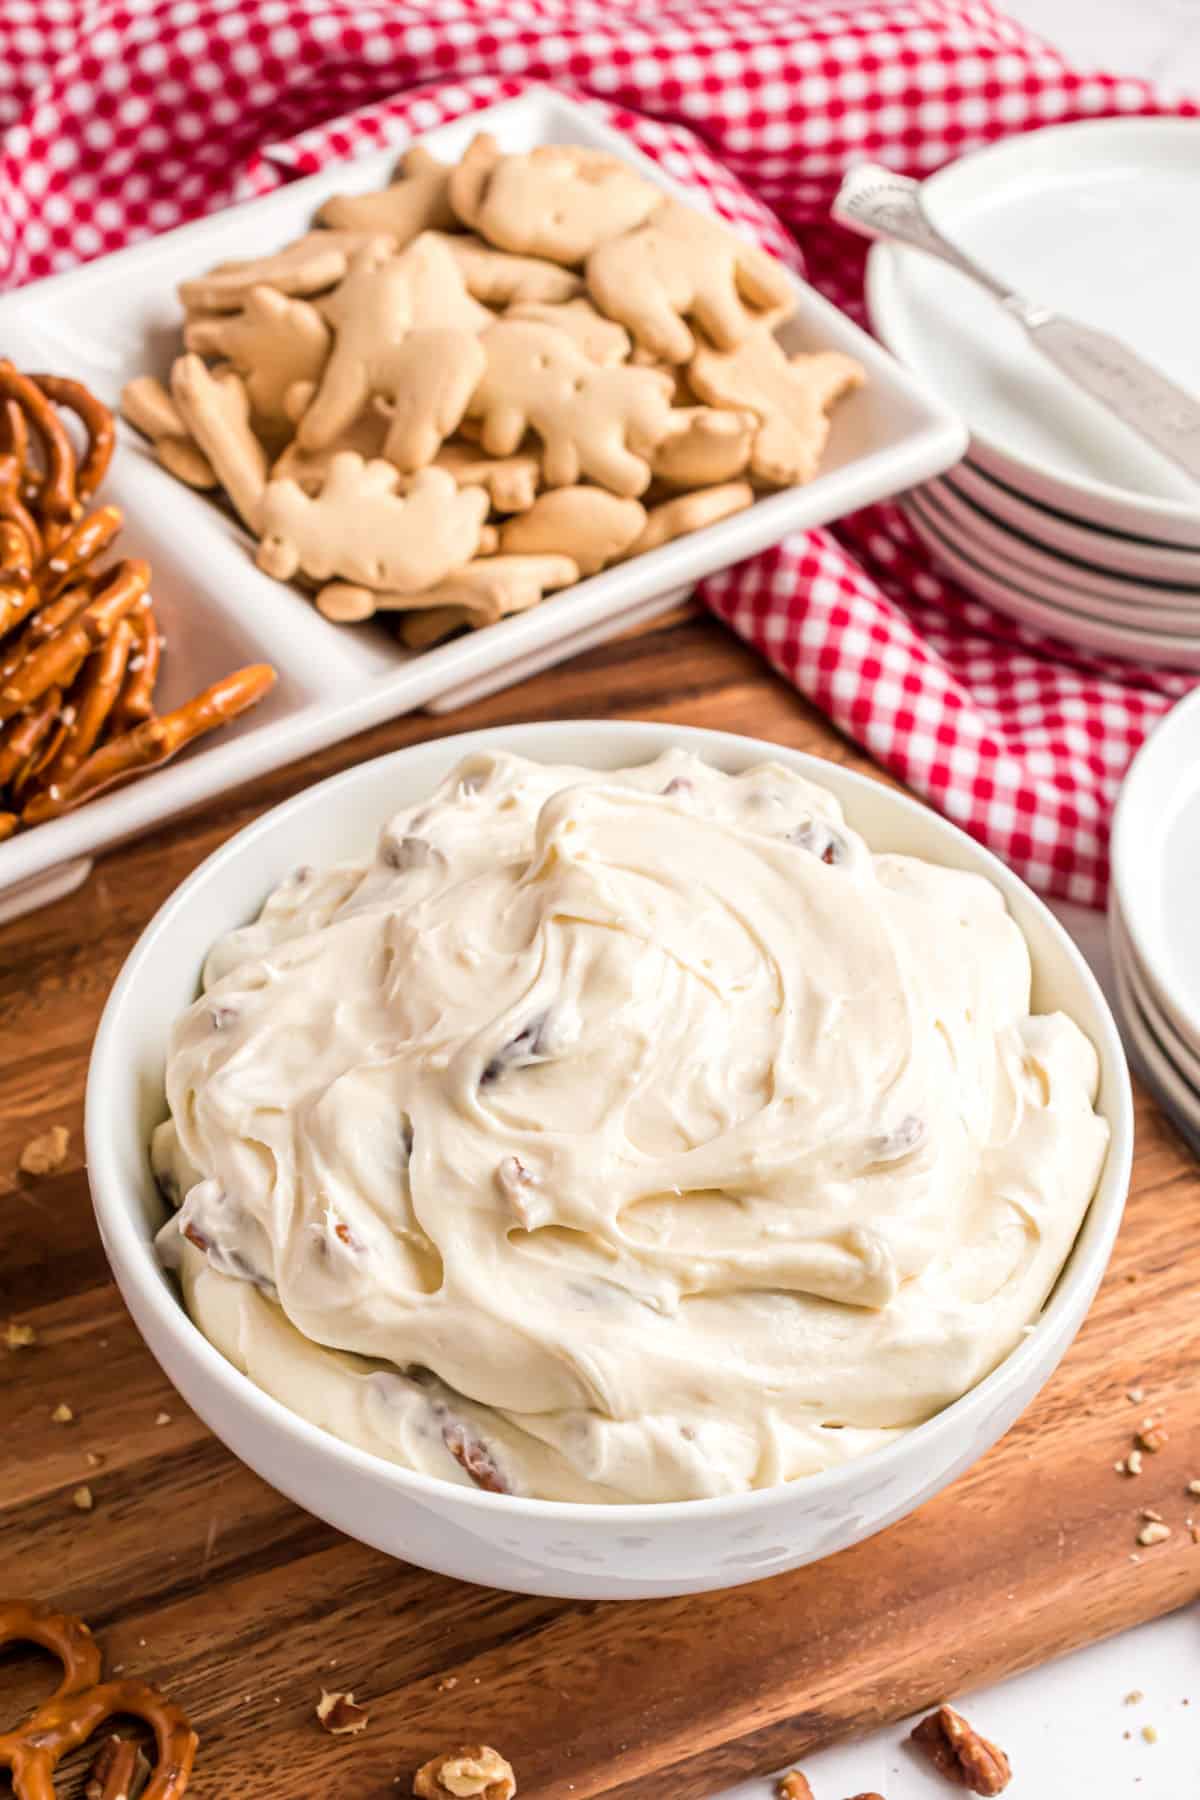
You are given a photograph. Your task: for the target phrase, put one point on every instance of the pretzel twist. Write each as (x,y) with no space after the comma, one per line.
(57,498)
(34,1751)
(23,1622)
(12,506)
(16,554)
(154,741)
(58,660)
(14,438)
(8,824)
(96,420)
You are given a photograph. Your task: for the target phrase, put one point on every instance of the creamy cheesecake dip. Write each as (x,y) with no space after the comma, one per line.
(630,1135)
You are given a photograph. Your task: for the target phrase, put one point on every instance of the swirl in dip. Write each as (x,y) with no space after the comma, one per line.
(631,1135)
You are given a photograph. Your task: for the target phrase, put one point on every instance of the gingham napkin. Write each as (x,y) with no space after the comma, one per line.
(123,119)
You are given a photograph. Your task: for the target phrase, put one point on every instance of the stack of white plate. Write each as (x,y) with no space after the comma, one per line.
(1060,516)
(1154,913)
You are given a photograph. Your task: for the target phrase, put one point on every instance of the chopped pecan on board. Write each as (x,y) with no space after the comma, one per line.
(476,1772)
(959,1753)
(340,1716)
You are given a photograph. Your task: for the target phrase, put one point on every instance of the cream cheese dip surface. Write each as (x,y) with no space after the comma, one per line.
(623,1135)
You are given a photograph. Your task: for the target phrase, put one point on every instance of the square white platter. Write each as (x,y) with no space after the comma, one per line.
(118,317)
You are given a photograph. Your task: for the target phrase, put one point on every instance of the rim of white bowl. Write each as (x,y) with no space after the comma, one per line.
(173,1318)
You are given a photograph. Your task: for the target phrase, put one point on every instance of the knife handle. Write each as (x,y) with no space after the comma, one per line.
(1134,391)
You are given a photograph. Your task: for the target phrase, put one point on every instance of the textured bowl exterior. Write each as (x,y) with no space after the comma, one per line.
(534,1546)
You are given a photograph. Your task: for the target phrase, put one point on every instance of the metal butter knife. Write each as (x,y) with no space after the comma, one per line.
(878,204)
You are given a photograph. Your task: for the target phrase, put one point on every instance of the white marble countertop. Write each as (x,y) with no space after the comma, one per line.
(1067,1727)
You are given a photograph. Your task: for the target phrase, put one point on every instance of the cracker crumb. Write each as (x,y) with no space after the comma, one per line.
(62,1414)
(19,1337)
(1154,1533)
(46,1152)
(95,1460)
(1193,1487)
(1151,1438)
(446,1683)
(162,1418)
(83,1499)
(1134,1696)
(1150,1734)
(1133,1463)
(1135,1396)
(1148,1512)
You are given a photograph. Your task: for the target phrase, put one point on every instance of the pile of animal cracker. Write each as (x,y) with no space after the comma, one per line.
(486,382)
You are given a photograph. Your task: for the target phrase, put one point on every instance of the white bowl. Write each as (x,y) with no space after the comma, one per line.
(535,1546)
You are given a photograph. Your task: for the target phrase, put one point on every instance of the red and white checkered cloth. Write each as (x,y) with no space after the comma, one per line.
(120,118)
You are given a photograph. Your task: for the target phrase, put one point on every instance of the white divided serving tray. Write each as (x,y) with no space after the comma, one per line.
(118,317)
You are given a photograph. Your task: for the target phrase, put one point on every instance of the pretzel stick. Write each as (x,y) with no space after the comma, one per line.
(94,697)
(97,421)
(59,1726)
(11,505)
(154,741)
(82,544)
(20,740)
(42,625)
(58,660)
(8,824)
(58,500)
(135,702)
(26,779)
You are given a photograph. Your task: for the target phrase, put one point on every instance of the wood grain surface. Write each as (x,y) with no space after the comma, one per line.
(199,1577)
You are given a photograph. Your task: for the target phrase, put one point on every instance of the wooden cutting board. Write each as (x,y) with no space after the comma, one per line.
(200,1578)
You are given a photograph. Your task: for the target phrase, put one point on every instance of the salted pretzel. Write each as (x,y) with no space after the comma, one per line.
(80,1703)
(82,545)
(12,504)
(80,647)
(59,659)
(154,741)
(135,701)
(97,422)
(57,497)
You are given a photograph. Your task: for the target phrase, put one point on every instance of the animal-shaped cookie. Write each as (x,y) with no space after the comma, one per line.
(365,435)
(511,482)
(595,422)
(690,512)
(418,199)
(215,408)
(601,340)
(425,385)
(360,529)
(680,264)
(557,201)
(148,407)
(274,342)
(705,444)
(588,524)
(371,312)
(498,279)
(308,266)
(791,397)
(483,592)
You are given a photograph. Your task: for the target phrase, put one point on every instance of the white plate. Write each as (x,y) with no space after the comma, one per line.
(1155,853)
(1168,605)
(1097,221)
(1148,1056)
(118,317)
(1053,579)
(1060,621)
(1138,557)
(1179,1053)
